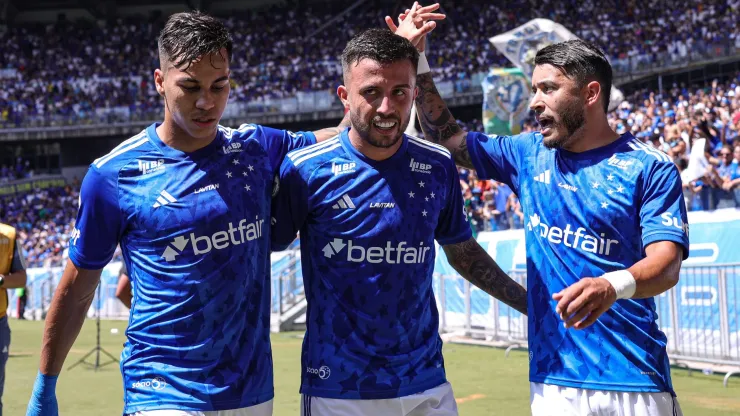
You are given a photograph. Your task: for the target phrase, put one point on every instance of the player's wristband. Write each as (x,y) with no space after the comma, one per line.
(623,282)
(45,386)
(423,67)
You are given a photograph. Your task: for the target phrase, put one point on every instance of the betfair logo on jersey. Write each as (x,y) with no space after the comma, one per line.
(342,168)
(150,167)
(420,167)
(671,221)
(234,236)
(398,254)
(233,148)
(580,241)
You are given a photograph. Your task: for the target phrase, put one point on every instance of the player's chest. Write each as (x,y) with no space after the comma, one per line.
(198,196)
(398,201)
(602,195)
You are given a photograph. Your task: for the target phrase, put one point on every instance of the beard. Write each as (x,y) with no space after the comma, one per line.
(364,129)
(572,119)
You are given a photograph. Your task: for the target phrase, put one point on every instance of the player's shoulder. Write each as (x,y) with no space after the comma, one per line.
(423,151)
(308,159)
(134,149)
(245,131)
(635,152)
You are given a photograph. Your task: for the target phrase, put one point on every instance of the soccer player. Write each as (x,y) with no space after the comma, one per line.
(606,232)
(189,202)
(12,276)
(369,205)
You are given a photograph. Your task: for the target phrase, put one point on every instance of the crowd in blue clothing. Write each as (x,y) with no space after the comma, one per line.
(93,71)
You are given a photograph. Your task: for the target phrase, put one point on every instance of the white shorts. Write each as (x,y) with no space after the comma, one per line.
(262,409)
(439,401)
(551,400)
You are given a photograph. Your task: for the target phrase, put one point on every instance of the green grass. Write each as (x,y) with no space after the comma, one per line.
(484,381)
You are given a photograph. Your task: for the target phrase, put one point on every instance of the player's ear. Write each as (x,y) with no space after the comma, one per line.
(343,95)
(416,93)
(593,93)
(159,81)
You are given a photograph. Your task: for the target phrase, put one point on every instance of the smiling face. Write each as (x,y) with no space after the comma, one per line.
(559,106)
(380,98)
(195,97)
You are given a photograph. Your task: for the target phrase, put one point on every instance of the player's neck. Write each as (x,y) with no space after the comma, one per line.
(593,136)
(176,138)
(372,152)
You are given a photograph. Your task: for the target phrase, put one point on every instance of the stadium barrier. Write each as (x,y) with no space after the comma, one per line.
(700,315)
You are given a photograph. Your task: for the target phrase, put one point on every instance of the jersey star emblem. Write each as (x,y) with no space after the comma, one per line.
(426,199)
(432,195)
(424,213)
(235,161)
(251,168)
(411,194)
(595,185)
(248,188)
(245,173)
(604,205)
(421,184)
(228,174)
(620,189)
(610,177)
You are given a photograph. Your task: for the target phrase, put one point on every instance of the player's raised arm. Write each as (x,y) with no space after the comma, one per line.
(437,122)
(476,266)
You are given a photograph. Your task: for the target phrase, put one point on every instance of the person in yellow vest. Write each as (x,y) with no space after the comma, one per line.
(12,276)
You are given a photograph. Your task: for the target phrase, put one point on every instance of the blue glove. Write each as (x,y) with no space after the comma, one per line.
(43,399)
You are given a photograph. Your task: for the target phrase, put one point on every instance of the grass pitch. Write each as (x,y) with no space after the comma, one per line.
(484,381)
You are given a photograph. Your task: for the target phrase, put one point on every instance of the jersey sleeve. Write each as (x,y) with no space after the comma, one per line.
(289,206)
(99,223)
(453,226)
(19,259)
(279,142)
(497,157)
(663,214)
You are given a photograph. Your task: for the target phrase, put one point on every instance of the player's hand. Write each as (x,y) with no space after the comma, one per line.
(580,304)
(42,407)
(43,398)
(415,23)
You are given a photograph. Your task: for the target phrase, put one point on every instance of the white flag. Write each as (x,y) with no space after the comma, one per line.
(698,163)
(520,45)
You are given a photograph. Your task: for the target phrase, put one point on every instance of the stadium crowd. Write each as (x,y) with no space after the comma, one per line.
(671,122)
(84,71)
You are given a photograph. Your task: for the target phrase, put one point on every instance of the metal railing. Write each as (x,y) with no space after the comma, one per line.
(700,315)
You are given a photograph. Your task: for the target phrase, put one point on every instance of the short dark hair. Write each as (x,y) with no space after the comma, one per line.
(581,61)
(189,35)
(380,45)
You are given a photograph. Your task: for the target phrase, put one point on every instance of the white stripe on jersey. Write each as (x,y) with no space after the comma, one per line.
(102,161)
(659,153)
(300,152)
(428,143)
(302,159)
(431,146)
(122,144)
(228,132)
(637,145)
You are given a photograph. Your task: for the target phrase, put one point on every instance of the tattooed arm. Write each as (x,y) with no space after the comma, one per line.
(476,266)
(328,133)
(437,122)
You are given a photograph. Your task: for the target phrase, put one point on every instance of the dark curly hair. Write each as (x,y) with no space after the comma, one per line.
(188,36)
(380,45)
